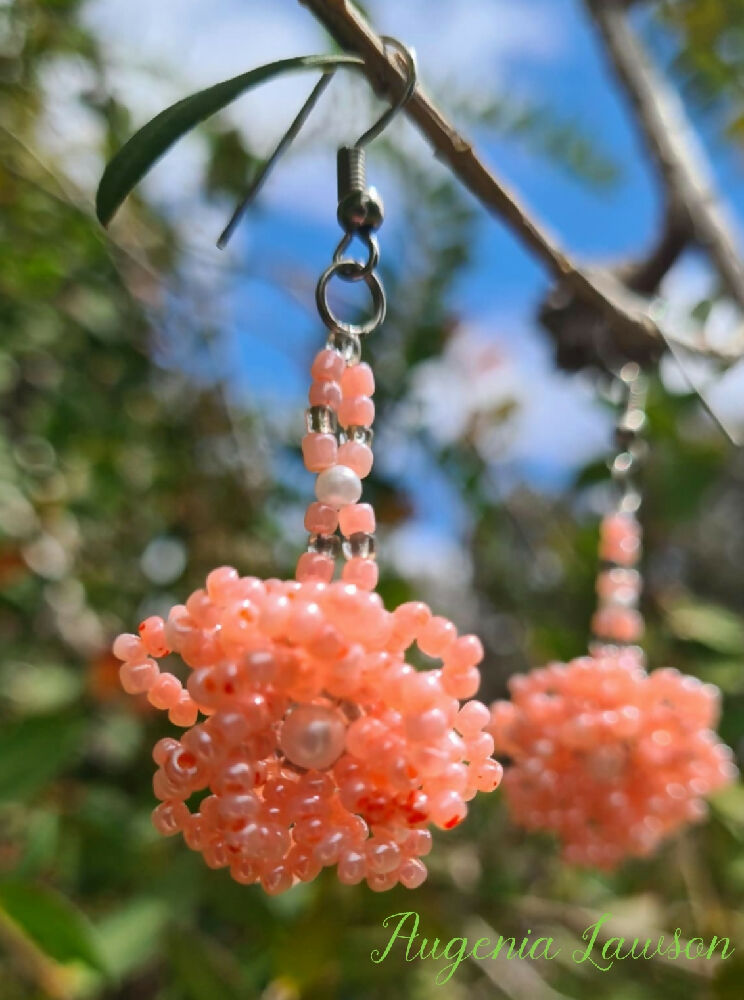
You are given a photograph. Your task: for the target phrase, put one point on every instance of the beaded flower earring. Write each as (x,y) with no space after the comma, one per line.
(321,745)
(609,757)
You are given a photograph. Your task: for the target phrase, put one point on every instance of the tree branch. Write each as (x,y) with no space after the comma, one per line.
(601,294)
(646,274)
(672,142)
(352,32)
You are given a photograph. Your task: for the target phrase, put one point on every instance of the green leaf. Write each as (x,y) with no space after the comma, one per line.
(131,936)
(202,969)
(56,927)
(728,805)
(710,625)
(146,146)
(34,750)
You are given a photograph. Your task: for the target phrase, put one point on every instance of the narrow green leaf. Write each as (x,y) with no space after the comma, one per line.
(710,625)
(202,969)
(155,138)
(56,927)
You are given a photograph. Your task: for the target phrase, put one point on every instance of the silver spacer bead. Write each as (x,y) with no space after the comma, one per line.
(362,435)
(360,544)
(321,420)
(325,545)
(347,345)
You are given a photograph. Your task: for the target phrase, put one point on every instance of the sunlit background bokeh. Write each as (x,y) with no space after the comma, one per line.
(152,396)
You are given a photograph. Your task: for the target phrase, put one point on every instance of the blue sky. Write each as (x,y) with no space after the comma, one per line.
(543,51)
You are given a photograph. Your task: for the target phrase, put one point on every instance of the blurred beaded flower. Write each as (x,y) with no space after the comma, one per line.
(610,758)
(603,754)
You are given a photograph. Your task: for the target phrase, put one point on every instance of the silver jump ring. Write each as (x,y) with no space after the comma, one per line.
(356,270)
(371,280)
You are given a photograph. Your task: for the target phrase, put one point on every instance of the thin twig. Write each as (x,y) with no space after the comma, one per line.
(672,142)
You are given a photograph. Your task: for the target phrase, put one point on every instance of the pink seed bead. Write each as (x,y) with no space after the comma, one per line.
(619,584)
(136,678)
(315,566)
(184,712)
(357,517)
(412,873)
(325,393)
(222,583)
(413,615)
(488,775)
(319,451)
(383,856)
(479,747)
(357,456)
(471,719)
(461,684)
(621,624)
(428,726)
(356,411)
(467,651)
(276,880)
(129,647)
(437,636)
(152,630)
(362,572)
(358,380)
(321,519)
(446,809)
(328,366)
(305,622)
(620,539)
(351,867)
(165,692)
(170,817)
(274,615)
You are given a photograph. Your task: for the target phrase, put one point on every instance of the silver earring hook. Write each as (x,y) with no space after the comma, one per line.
(409,57)
(257,183)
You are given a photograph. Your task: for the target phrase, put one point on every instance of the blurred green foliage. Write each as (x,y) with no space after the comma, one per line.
(123,481)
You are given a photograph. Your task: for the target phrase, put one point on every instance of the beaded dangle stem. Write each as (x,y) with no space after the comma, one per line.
(320,746)
(606,756)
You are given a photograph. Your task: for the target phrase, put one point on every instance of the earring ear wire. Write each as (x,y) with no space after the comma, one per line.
(353,155)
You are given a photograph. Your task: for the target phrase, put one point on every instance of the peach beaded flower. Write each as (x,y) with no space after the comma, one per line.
(608,757)
(320,745)
(605,755)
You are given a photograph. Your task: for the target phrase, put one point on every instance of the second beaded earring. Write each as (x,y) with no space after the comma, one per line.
(321,746)
(607,756)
